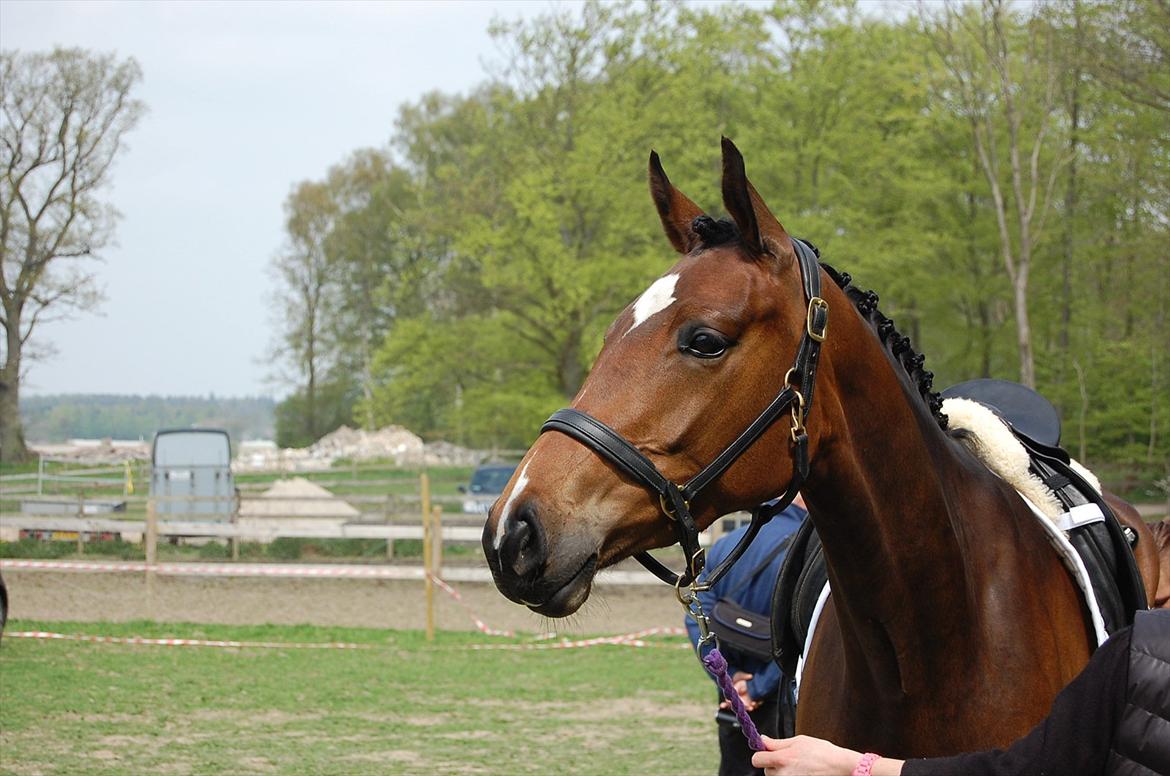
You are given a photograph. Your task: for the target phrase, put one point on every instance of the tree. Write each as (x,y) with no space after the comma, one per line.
(352,264)
(1127,46)
(305,293)
(65,115)
(374,256)
(1003,77)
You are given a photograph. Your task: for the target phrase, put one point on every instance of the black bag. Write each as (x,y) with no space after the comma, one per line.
(745,631)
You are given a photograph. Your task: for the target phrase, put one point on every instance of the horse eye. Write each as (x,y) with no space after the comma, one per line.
(704,344)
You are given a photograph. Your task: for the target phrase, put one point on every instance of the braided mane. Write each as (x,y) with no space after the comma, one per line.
(899,346)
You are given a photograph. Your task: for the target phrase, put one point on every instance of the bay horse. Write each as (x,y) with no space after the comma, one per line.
(952,624)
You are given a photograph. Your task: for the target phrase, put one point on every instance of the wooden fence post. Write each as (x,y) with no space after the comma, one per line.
(437,541)
(150,538)
(424,494)
(387,507)
(234,541)
(428,543)
(80,515)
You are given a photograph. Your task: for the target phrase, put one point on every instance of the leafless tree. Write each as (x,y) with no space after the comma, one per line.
(63,120)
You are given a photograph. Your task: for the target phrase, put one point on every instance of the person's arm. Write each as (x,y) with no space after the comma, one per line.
(808,756)
(765,683)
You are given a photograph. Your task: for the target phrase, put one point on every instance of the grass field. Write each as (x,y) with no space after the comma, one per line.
(398,705)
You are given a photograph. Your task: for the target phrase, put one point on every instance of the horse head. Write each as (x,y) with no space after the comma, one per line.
(683,371)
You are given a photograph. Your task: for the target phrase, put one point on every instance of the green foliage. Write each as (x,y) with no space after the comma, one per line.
(493,257)
(297,426)
(471,380)
(35,548)
(80,416)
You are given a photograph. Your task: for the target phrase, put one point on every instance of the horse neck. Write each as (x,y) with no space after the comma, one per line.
(889,494)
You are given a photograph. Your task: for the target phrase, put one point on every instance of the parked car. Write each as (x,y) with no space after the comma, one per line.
(487,483)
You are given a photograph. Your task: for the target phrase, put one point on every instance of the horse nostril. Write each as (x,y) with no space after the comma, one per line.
(522,549)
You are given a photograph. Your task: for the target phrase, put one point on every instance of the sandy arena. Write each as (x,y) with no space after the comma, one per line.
(119,597)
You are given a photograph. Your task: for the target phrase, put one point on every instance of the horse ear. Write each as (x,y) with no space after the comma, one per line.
(760,230)
(674,208)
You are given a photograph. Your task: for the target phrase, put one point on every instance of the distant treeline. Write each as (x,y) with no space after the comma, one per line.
(97,416)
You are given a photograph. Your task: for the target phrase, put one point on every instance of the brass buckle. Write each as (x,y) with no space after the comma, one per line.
(816,303)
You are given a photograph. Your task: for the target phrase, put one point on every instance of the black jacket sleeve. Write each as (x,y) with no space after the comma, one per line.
(1075,737)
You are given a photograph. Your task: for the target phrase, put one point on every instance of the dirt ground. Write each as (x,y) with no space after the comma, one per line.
(119,597)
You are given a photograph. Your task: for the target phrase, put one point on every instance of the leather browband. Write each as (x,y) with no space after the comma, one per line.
(675,500)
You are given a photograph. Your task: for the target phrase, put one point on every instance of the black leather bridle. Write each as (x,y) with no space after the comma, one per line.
(676,500)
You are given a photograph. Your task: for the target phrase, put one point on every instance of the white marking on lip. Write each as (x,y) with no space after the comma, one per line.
(519,486)
(654,299)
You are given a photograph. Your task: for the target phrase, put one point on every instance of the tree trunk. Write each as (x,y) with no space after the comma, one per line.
(1024,329)
(12,446)
(1070,203)
(570,372)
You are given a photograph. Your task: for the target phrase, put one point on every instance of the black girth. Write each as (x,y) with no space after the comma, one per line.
(795,396)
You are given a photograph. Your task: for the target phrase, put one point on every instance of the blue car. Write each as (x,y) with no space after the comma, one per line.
(487,483)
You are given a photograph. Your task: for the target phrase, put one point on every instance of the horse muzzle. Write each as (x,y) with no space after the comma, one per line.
(522,566)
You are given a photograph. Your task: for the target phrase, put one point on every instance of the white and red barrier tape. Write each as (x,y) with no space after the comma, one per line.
(140,641)
(625,640)
(480,624)
(636,639)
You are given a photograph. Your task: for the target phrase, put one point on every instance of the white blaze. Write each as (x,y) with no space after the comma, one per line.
(520,483)
(654,299)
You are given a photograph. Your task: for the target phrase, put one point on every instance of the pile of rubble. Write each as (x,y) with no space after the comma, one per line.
(357,445)
(392,443)
(95,451)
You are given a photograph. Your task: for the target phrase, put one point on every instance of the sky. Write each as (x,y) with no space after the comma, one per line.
(244,100)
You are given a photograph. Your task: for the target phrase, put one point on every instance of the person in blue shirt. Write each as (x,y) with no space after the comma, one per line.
(756,680)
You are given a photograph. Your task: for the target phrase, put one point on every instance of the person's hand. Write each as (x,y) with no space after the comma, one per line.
(806,756)
(741,688)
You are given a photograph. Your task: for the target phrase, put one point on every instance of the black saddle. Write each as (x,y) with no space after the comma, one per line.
(1105,546)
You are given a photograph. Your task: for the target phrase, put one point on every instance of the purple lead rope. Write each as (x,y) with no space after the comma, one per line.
(716,665)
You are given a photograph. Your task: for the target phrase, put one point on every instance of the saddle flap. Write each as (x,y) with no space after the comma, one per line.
(802,576)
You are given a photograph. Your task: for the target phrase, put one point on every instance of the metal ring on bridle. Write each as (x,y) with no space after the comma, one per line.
(797,408)
(666,510)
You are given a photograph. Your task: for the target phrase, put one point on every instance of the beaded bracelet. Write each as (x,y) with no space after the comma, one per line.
(865,764)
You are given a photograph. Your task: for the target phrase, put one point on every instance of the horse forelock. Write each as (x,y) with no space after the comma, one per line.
(715,232)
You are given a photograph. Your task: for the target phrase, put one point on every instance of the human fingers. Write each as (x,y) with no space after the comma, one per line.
(804,755)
